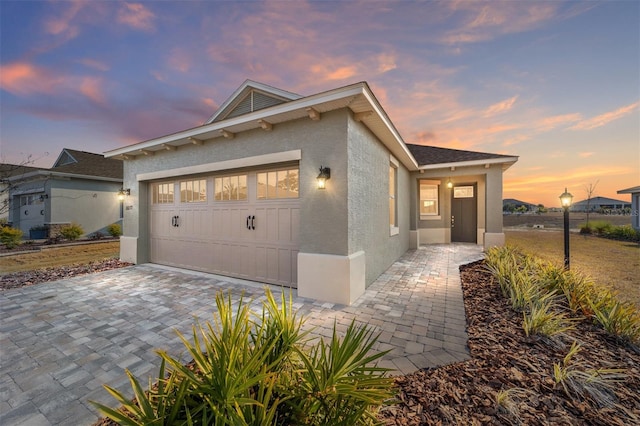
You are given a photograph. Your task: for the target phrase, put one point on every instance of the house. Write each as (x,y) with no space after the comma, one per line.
(8,171)
(320,192)
(80,187)
(596,204)
(635,205)
(510,205)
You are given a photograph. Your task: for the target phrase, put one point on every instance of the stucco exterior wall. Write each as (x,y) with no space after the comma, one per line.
(92,204)
(323,213)
(368,202)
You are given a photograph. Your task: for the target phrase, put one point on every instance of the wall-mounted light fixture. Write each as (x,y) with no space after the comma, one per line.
(44,197)
(449,184)
(325,173)
(123,193)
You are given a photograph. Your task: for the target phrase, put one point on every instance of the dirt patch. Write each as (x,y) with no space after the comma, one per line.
(555,220)
(56,256)
(614,264)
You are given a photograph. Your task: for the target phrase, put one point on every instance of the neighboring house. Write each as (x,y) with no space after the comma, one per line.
(599,203)
(239,195)
(635,205)
(81,187)
(9,171)
(511,205)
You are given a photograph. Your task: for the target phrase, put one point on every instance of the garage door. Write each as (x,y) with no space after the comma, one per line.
(243,225)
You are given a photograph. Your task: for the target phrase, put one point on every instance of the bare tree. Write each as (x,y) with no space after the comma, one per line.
(591,188)
(8,171)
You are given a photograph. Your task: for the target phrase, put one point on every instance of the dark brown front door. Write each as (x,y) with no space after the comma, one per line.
(464,214)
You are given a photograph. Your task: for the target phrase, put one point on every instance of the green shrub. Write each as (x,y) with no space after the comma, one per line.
(114,230)
(624,232)
(256,369)
(10,237)
(71,232)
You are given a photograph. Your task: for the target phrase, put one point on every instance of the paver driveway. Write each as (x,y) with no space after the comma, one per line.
(61,341)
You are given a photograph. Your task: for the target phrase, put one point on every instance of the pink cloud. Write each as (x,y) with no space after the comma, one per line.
(95,64)
(137,16)
(501,106)
(604,119)
(92,88)
(64,26)
(586,154)
(548,123)
(23,78)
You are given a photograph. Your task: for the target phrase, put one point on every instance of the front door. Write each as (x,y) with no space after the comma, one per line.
(464,214)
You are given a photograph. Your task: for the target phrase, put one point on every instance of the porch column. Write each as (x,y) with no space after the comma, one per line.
(494,235)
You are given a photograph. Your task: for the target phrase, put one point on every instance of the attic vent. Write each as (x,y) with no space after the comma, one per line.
(65,159)
(253,102)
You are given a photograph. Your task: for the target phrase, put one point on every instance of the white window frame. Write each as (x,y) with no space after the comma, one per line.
(394,229)
(438,185)
(228,179)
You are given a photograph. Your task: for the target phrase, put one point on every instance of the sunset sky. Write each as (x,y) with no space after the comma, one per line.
(556,83)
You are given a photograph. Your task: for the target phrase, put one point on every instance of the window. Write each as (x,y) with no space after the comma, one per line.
(30,200)
(463,192)
(278,184)
(393,191)
(429,196)
(230,188)
(163,193)
(193,191)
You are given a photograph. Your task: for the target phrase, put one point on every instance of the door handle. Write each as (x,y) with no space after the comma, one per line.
(248,219)
(174,221)
(177,218)
(253,225)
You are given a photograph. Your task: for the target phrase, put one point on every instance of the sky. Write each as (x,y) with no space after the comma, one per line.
(555,83)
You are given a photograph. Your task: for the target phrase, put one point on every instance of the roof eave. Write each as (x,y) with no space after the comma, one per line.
(49,173)
(506,162)
(391,139)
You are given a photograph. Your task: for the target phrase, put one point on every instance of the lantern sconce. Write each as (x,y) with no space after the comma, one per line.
(44,197)
(123,193)
(449,184)
(325,174)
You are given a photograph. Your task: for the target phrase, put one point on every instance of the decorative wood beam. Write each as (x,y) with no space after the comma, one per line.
(453,168)
(359,116)
(265,125)
(313,114)
(147,152)
(486,166)
(127,157)
(169,147)
(227,134)
(196,141)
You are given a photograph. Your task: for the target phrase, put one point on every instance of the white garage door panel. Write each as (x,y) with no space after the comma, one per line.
(214,236)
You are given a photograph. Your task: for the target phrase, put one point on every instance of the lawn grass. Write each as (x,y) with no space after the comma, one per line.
(59,256)
(614,264)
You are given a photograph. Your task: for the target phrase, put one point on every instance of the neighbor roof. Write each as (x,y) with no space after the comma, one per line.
(442,157)
(632,190)
(88,164)
(10,170)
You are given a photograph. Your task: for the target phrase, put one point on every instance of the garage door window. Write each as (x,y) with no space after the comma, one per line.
(278,184)
(231,188)
(163,193)
(193,191)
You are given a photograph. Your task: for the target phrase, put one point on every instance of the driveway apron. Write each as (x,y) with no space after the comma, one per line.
(61,341)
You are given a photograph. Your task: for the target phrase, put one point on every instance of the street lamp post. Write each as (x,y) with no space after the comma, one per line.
(565,199)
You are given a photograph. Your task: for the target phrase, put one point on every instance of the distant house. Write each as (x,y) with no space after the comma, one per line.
(511,205)
(81,187)
(244,194)
(599,203)
(635,205)
(8,171)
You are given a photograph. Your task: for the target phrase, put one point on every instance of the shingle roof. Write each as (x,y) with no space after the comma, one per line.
(427,155)
(10,170)
(91,164)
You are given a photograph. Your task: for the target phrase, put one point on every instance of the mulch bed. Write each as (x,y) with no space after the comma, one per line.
(27,278)
(504,358)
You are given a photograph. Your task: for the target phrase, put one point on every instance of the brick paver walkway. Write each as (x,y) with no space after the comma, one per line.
(61,341)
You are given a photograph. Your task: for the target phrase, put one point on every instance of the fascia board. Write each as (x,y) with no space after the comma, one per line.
(50,174)
(505,160)
(407,157)
(310,101)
